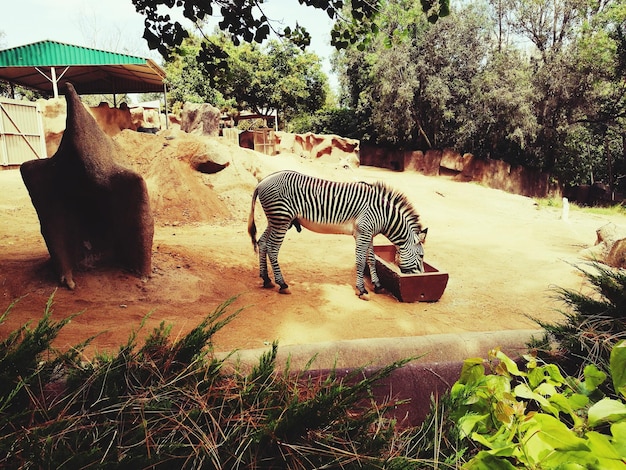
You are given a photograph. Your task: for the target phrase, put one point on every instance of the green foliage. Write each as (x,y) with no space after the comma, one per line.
(278,76)
(538,418)
(245,20)
(174,404)
(422,85)
(186,80)
(20,352)
(557,203)
(593,323)
(545,91)
(339,121)
(168,403)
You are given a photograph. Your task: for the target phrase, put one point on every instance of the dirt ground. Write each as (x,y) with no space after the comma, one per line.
(504,255)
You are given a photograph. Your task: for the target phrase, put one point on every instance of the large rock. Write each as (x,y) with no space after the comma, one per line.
(617,254)
(90,208)
(202,119)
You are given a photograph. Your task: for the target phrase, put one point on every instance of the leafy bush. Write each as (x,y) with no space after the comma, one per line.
(539,418)
(594,323)
(338,121)
(561,412)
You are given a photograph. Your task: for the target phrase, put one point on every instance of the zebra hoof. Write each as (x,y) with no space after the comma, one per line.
(268,285)
(364,295)
(379,289)
(284,290)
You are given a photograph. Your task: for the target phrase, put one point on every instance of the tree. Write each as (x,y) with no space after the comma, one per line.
(186,79)
(278,76)
(264,79)
(413,84)
(501,122)
(571,45)
(246,20)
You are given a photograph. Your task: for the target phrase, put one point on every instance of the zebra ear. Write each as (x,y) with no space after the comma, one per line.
(422,235)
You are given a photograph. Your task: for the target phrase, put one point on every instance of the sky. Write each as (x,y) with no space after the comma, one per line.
(114,25)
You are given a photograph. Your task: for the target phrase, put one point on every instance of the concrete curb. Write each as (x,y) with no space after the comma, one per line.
(418,382)
(373,352)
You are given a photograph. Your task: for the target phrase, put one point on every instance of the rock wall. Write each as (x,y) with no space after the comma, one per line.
(148,120)
(314,146)
(597,194)
(495,174)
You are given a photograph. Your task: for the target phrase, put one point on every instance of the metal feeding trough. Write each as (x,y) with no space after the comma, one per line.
(422,287)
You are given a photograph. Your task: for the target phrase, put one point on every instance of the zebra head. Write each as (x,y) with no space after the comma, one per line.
(411,253)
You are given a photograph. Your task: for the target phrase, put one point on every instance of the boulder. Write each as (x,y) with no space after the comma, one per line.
(90,208)
(617,254)
(201,119)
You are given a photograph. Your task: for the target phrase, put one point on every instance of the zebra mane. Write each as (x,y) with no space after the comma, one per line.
(401,203)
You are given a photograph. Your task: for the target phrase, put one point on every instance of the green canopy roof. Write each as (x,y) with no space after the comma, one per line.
(47,65)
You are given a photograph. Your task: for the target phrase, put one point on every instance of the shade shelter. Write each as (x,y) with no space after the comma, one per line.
(46,65)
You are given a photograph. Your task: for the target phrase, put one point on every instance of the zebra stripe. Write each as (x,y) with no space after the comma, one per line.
(356,208)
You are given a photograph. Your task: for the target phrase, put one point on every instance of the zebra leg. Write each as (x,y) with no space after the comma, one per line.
(362,247)
(274,242)
(371,263)
(263,274)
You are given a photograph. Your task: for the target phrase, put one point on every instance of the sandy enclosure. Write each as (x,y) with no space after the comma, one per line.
(503,255)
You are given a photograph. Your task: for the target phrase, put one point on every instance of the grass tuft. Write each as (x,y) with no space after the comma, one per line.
(172,404)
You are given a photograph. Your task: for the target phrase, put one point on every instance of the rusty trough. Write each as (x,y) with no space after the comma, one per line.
(422,287)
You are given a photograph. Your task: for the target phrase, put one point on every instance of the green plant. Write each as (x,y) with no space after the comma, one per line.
(594,322)
(540,419)
(174,404)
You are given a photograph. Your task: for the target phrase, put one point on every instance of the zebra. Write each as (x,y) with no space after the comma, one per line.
(360,209)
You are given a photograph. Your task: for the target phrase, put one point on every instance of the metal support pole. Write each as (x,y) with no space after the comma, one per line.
(167,119)
(53,79)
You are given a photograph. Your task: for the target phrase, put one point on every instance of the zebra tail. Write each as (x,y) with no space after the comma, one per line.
(251,224)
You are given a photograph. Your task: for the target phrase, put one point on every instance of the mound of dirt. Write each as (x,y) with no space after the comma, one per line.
(503,255)
(182,195)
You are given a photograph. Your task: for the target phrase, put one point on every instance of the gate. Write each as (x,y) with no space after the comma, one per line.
(265,141)
(21,132)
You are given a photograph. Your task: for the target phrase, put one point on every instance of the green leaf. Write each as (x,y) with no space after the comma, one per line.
(593,377)
(606,410)
(578,401)
(485,461)
(509,364)
(609,464)
(548,373)
(570,406)
(546,389)
(497,445)
(523,391)
(553,432)
(473,369)
(554,373)
(618,430)
(570,460)
(600,445)
(468,423)
(618,367)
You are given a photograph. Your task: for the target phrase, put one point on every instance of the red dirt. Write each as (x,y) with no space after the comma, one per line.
(502,252)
